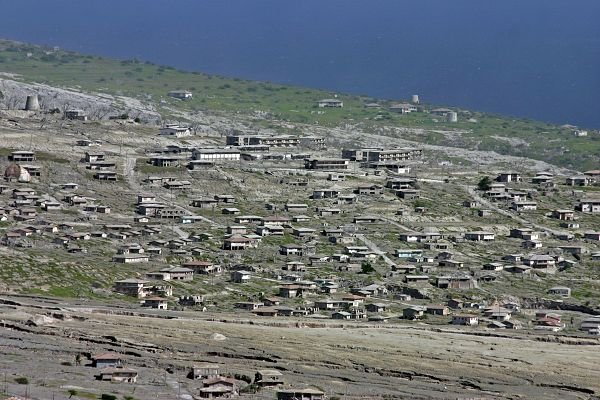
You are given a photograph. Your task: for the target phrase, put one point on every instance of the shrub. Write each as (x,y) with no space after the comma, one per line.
(22,380)
(106,396)
(484,183)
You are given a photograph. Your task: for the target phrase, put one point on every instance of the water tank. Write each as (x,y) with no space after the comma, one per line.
(452,116)
(32,103)
(415,99)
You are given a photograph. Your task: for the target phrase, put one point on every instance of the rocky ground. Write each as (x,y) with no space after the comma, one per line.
(40,337)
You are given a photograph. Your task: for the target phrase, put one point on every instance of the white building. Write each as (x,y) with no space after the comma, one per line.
(216,154)
(181,94)
(335,103)
(175,130)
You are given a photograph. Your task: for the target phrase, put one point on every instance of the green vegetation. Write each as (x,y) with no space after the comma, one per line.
(21,380)
(484,184)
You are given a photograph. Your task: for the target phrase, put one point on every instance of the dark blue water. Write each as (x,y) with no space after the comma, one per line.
(531,58)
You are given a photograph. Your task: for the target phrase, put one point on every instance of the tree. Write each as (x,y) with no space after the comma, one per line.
(366,267)
(485,183)
(72,392)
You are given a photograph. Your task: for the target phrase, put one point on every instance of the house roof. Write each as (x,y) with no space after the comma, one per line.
(217,379)
(107,356)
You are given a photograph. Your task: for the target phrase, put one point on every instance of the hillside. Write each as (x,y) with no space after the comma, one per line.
(340,252)
(150,84)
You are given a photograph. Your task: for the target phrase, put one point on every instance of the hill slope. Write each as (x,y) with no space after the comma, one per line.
(150,83)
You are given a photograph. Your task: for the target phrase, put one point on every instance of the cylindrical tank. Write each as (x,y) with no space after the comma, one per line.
(33,103)
(415,99)
(452,116)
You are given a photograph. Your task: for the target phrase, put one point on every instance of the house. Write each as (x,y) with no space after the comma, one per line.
(191,300)
(440,112)
(456,282)
(479,236)
(372,189)
(179,273)
(592,235)
(205,371)
(403,108)
(579,180)
(295,266)
(248,219)
(262,143)
(563,215)
(177,185)
(300,394)
(523,233)
(164,161)
(296,207)
(21,156)
(376,307)
(591,325)
(303,232)
(291,249)
(241,276)
(203,267)
(408,253)
(562,291)
(455,304)
(326,193)
(465,319)
(105,176)
(435,309)
(330,103)
(539,261)
(341,315)
(218,387)
(454,264)
(414,312)
(216,154)
(155,302)
(131,287)
(248,306)
(92,157)
(381,155)
(523,206)
(130,258)
(237,243)
(517,269)
(589,206)
(326,163)
(404,269)
(268,377)
(408,194)
(236,230)
(76,114)
(204,203)
(118,374)
(542,178)
(493,266)
(417,279)
(336,177)
(509,177)
(105,360)
(366,219)
(175,130)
